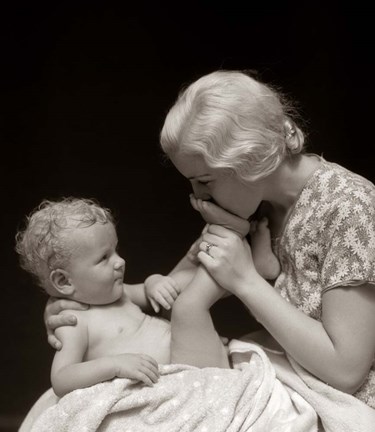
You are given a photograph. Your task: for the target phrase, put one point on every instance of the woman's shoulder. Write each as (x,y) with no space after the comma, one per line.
(334,186)
(339,175)
(334,201)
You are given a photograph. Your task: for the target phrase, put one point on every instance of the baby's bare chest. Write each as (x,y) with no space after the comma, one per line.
(111,328)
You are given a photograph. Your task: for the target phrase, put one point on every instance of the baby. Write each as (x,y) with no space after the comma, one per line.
(70,246)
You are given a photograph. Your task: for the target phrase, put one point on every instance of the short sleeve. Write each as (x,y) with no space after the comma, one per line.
(350,242)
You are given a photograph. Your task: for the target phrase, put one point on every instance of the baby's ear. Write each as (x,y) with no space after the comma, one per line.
(61,282)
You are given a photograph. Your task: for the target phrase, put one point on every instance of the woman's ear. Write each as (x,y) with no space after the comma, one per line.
(293,136)
(61,282)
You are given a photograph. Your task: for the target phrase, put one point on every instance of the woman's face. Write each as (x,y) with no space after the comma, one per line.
(225,190)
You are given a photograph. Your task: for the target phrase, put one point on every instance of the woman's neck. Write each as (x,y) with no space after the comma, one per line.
(285,184)
(283,189)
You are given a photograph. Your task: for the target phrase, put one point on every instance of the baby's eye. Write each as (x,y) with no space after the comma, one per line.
(104,257)
(203,182)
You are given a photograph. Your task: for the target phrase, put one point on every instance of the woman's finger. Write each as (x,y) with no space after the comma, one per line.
(54,342)
(207,260)
(193,202)
(211,238)
(55,321)
(220,231)
(205,229)
(55,306)
(200,205)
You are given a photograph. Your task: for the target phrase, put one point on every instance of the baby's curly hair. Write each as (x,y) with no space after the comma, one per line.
(43,245)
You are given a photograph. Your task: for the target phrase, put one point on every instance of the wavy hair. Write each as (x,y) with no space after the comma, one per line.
(235,122)
(45,243)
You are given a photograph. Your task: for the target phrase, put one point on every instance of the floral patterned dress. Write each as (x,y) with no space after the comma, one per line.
(327,242)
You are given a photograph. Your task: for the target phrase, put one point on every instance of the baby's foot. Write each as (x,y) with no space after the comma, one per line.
(213,214)
(265,260)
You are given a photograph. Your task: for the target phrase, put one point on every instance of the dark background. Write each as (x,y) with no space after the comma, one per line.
(84,90)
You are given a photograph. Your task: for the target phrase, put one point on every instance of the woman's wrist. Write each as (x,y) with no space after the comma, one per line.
(257,296)
(248,288)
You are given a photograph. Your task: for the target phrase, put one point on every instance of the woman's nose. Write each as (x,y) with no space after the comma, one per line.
(200,192)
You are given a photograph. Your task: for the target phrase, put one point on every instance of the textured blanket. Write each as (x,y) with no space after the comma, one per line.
(246,398)
(338,411)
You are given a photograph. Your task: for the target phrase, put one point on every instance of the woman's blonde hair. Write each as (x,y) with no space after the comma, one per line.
(235,122)
(44,244)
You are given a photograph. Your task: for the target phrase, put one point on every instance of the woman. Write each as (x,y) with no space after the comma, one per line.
(235,140)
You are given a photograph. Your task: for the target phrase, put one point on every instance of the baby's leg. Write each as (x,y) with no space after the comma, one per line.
(194,339)
(265,260)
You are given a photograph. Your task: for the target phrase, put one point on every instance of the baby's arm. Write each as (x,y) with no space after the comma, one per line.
(164,290)
(70,372)
(161,291)
(137,295)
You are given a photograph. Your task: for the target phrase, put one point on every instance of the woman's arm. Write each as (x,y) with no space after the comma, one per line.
(339,350)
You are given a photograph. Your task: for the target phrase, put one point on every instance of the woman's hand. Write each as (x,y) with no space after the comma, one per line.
(228,259)
(213,214)
(53,319)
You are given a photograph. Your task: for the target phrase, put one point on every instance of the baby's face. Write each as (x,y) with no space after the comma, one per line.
(96,270)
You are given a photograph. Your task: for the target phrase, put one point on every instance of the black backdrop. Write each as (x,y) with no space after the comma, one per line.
(84,90)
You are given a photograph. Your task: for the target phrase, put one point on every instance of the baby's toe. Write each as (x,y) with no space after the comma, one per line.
(262,225)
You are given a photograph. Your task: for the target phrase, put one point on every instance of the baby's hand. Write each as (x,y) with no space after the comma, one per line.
(161,290)
(213,214)
(140,367)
